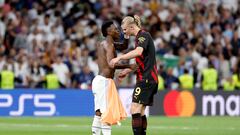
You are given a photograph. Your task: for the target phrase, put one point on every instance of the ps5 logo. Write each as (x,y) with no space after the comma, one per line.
(40,101)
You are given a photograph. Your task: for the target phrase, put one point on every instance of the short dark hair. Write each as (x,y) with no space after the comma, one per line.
(186,71)
(105,26)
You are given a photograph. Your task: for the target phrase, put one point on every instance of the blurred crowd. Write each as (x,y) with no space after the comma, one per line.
(38,37)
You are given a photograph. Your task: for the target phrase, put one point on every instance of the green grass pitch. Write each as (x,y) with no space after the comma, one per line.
(156,126)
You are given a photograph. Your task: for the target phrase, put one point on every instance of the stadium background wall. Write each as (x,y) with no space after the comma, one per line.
(72,102)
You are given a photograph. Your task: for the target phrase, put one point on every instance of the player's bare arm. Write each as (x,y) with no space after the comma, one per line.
(132,54)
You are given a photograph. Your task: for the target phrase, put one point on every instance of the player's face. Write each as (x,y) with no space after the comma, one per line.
(126,29)
(114,32)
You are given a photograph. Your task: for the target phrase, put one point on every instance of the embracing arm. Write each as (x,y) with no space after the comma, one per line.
(143,40)
(123,66)
(132,54)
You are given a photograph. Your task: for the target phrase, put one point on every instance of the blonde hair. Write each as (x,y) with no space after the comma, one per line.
(132,20)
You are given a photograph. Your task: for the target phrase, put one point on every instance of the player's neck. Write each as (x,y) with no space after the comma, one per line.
(137,29)
(109,39)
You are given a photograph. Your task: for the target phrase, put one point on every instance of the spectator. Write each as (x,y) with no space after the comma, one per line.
(7,78)
(61,70)
(170,80)
(84,79)
(2,61)
(210,78)
(228,84)
(192,31)
(21,71)
(2,30)
(186,80)
(36,74)
(51,80)
(20,41)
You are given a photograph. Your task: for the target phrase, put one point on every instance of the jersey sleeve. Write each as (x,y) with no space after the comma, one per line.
(143,40)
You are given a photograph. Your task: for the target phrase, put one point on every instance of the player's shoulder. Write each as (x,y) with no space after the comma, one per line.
(103,43)
(100,45)
(144,34)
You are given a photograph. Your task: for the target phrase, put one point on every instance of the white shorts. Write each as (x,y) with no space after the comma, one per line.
(99,89)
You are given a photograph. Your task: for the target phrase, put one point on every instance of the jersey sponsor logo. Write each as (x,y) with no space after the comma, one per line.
(179,104)
(141,39)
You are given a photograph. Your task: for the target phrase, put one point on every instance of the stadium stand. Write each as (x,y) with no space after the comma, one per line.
(39,35)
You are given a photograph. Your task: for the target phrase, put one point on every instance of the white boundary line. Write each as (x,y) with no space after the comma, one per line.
(81,127)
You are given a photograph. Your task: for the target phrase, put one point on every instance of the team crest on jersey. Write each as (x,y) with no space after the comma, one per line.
(141,39)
